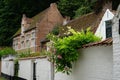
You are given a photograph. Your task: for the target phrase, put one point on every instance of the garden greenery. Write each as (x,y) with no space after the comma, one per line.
(65,50)
(29,54)
(25,55)
(7,51)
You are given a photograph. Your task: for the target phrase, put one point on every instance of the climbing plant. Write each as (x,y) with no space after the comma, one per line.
(65,50)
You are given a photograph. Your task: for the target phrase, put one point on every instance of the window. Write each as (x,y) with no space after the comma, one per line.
(32,42)
(108,29)
(27,44)
(16,44)
(27,36)
(33,34)
(22,44)
(13,44)
(22,38)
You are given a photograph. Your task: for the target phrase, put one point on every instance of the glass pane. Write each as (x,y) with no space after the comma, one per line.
(108,29)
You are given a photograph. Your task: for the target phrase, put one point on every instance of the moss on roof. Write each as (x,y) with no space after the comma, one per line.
(34,20)
(38,18)
(17,33)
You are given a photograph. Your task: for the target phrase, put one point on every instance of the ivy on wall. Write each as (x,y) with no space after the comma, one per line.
(64,51)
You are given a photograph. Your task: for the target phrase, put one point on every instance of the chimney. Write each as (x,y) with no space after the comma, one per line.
(24,23)
(66,20)
(53,5)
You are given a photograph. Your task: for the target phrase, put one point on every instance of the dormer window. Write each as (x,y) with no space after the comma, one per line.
(108,29)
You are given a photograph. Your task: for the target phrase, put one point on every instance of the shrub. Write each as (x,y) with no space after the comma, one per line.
(65,50)
(29,54)
(7,51)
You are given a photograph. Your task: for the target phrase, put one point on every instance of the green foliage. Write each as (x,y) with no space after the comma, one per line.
(1,78)
(86,7)
(75,7)
(82,10)
(26,54)
(7,51)
(65,50)
(29,54)
(10,16)
(55,31)
(68,7)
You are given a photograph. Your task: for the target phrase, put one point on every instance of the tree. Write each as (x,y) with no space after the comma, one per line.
(68,7)
(10,16)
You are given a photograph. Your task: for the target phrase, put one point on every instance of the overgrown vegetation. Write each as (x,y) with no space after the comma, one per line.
(64,51)
(29,54)
(7,51)
(25,55)
(76,8)
(1,78)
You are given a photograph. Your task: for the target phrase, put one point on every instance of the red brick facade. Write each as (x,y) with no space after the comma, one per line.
(40,25)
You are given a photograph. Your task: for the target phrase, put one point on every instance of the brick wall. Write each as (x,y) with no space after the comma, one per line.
(52,18)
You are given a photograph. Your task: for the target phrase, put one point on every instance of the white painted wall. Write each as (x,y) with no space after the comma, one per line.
(7,67)
(25,69)
(95,63)
(116,45)
(101,31)
(43,69)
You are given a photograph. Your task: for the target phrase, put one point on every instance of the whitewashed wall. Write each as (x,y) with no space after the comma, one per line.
(116,46)
(25,69)
(101,31)
(7,67)
(43,69)
(95,63)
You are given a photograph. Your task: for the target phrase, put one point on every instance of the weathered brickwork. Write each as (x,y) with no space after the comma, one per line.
(41,25)
(116,46)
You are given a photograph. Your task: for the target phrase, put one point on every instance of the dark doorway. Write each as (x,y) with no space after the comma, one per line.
(34,71)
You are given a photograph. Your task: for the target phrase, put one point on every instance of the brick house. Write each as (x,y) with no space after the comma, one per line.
(31,35)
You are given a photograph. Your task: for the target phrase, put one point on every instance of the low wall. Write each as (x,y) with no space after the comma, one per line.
(7,66)
(25,69)
(95,63)
(43,69)
(38,68)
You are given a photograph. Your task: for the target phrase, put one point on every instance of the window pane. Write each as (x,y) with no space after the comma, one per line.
(108,29)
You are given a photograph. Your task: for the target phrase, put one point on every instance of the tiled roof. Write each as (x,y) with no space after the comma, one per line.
(33,22)
(89,20)
(37,18)
(108,41)
(17,33)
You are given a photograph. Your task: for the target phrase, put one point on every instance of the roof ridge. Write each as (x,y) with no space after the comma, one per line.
(81,17)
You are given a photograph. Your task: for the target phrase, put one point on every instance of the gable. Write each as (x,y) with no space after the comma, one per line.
(32,22)
(101,30)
